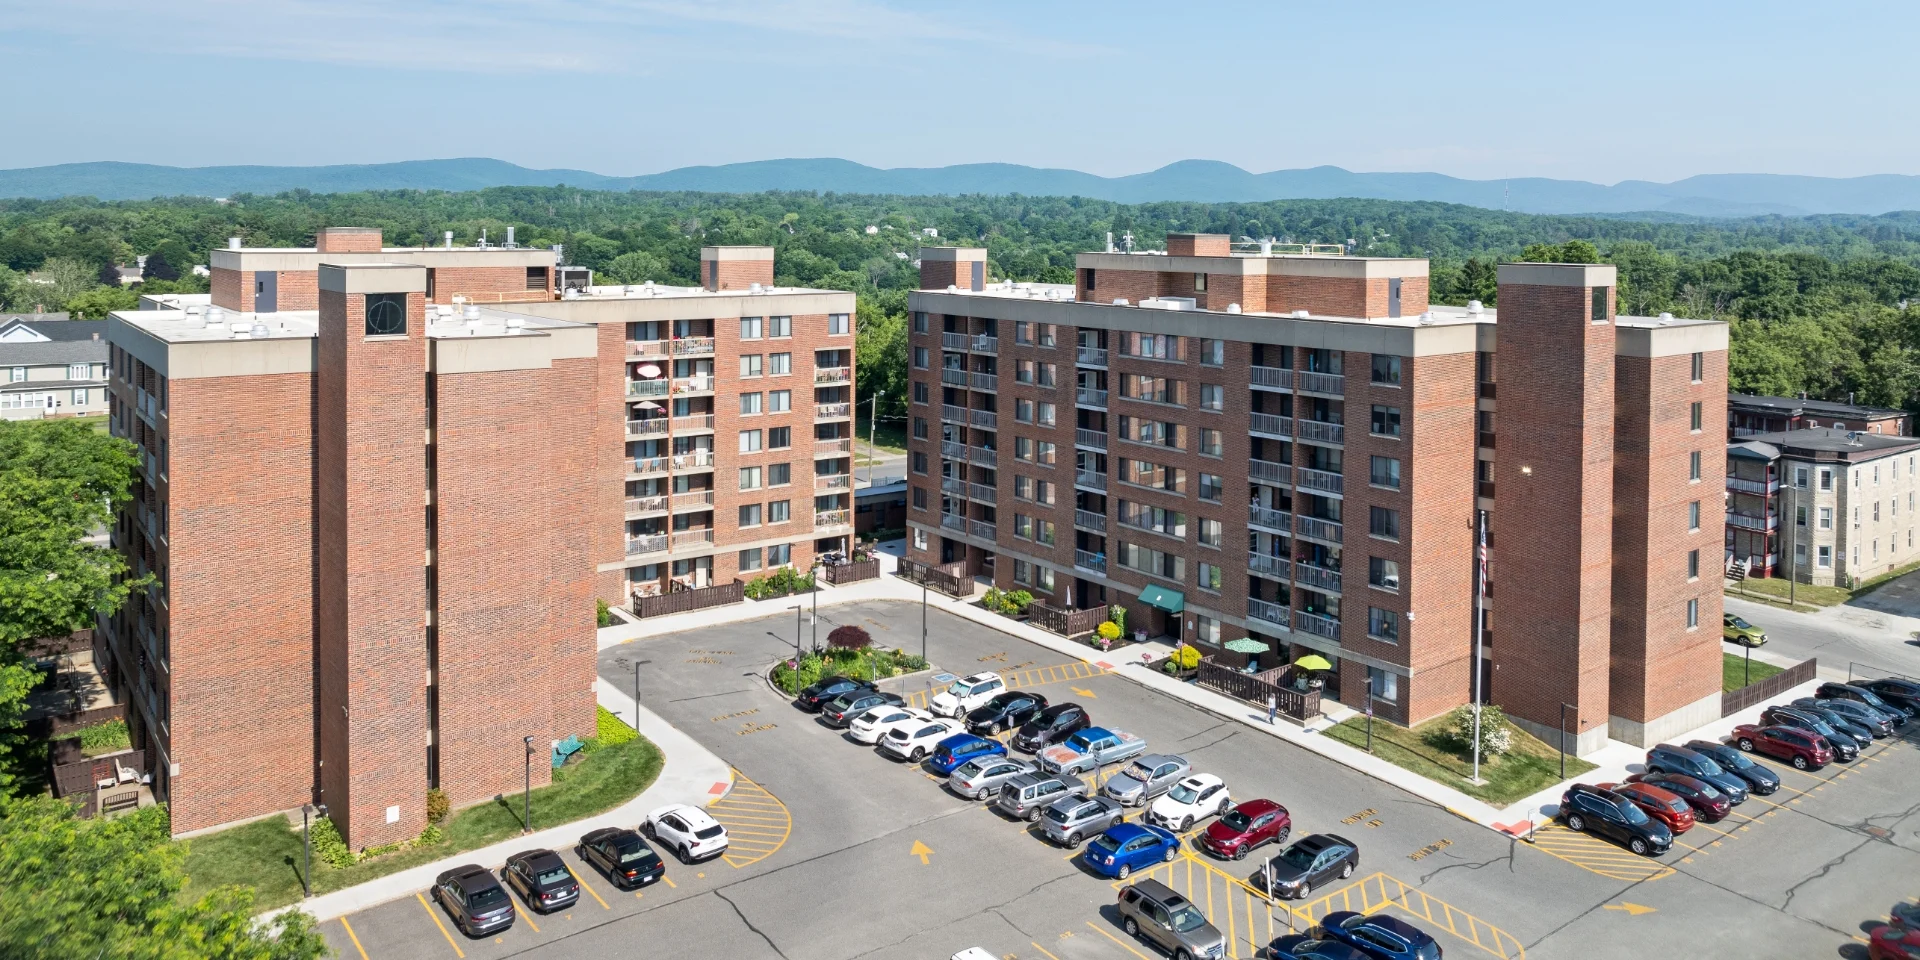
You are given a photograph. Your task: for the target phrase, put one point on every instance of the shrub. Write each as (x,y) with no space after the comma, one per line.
(329,846)
(1118,614)
(105,737)
(611,731)
(849,637)
(1187,657)
(603,614)
(438,806)
(431,835)
(1496,735)
(1108,631)
(779,583)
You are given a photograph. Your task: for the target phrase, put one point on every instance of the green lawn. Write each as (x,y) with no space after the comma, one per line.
(1733,671)
(1807,596)
(266,855)
(890,437)
(1530,767)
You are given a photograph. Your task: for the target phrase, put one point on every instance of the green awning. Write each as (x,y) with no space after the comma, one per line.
(1172,601)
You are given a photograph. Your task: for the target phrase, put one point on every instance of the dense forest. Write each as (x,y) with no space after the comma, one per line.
(1818,304)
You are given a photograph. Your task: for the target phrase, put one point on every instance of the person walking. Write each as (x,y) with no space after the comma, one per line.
(1273,707)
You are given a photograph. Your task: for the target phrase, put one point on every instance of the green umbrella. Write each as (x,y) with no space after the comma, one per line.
(1247,645)
(1313,661)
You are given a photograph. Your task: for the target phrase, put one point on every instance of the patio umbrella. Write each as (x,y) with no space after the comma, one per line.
(1313,661)
(1247,645)
(647,405)
(649,370)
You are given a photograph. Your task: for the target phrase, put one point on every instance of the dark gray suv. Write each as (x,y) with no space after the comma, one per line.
(1152,911)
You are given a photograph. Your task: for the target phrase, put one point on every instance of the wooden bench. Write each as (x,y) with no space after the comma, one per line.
(111,803)
(565,749)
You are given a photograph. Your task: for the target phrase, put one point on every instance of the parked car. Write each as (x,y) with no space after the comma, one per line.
(1195,798)
(1126,847)
(1169,921)
(1894,692)
(1005,711)
(1761,781)
(1859,714)
(913,741)
(1709,803)
(1854,693)
(822,692)
(1740,631)
(1662,805)
(1027,795)
(1861,734)
(1146,778)
(1586,808)
(981,777)
(1091,749)
(1071,819)
(869,727)
(690,832)
(1252,824)
(953,751)
(1804,749)
(1297,946)
(1052,725)
(966,693)
(1844,746)
(542,880)
(853,703)
(1670,758)
(1311,861)
(622,855)
(1381,936)
(475,901)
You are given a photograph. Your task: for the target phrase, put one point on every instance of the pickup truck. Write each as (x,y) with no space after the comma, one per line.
(1091,749)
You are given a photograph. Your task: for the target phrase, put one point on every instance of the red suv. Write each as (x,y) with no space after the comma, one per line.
(1658,804)
(1803,749)
(1247,826)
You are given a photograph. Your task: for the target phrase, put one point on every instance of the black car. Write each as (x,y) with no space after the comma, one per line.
(1848,726)
(1004,712)
(1860,715)
(623,855)
(823,692)
(1761,781)
(1675,759)
(1894,692)
(1295,946)
(476,901)
(1050,726)
(1854,693)
(1587,808)
(1844,746)
(1381,936)
(1309,863)
(542,880)
(853,703)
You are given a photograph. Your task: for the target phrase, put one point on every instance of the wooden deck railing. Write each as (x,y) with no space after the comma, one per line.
(1066,622)
(681,601)
(858,570)
(1254,688)
(1735,701)
(945,578)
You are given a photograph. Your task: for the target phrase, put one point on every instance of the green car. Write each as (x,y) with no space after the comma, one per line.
(1741,632)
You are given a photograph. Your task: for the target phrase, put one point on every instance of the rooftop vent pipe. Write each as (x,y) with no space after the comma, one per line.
(233,243)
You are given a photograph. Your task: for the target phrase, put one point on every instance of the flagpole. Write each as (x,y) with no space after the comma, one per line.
(1479,626)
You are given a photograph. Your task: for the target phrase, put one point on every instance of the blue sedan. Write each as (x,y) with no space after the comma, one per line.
(1128,845)
(950,753)
(1380,936)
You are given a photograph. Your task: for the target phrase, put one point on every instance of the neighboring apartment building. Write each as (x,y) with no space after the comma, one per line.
(1749,416)
(51,366)
(373,582)
(1829,506)
(1294,447)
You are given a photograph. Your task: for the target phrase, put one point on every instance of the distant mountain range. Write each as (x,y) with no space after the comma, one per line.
(1709,195)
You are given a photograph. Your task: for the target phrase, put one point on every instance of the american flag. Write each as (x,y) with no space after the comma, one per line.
(1486,568)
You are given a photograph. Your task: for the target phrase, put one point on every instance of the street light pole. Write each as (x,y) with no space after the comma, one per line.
(1479,628)
(873,421)
(923,621)
(812,573)
(1563,737)
(526,809)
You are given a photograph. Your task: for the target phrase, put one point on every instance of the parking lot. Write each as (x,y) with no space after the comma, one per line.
(840,853)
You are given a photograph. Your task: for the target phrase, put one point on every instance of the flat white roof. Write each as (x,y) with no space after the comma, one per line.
(443,322)
(660,291)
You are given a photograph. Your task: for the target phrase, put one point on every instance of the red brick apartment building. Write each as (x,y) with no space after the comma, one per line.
(380,512)
(1095,444)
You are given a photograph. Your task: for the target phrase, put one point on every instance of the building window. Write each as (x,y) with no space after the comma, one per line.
(1699,366)
(1210,532)
(1046,414)
(1045,452)
(1384,472)
(779,474)
(750,559)
(780,326)
(1023,573)
(749,441)
(1693,564)
(750,365)
(1693,614)
(1089,272)
(1693,516)
(920,358)
(1023,526)
(920,536)
(1213,353)
(1210,442)
(1212,397)
(78,371)
(1206,630)
(920,503)
(1022,411)
(779,511)
(779,363)
(1383,684)
(919,463)
(1601,304)
(749,328)
(1386,370)
(1693,466)
(749,404)
(919,428)
(919,390)
(749,515)
(1383,523)
(779,438)
(1386,421)
(1826,479)
(779,401)
(1800,477)
(1209,577)
(1023,449)
(1693,418)
(1212,487)
(1199,283)
(749,478)
(919,321)
(837,324)
(779,554)
(1043,491)
(1383,573)
(386,315)
(19,375)
(79,398)
(1383,625)
(1046,371)
(1826,518)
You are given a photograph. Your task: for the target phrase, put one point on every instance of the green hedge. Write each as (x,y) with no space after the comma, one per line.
(868,664)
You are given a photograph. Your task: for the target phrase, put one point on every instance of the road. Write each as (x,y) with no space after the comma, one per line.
(844,855)
(1872,640)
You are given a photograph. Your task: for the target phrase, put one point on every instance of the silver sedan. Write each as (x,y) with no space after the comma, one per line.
(1073,819)
(981,777)
(1146,778)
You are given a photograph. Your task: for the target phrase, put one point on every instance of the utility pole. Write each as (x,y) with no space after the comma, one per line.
(873,420)
(1479,628)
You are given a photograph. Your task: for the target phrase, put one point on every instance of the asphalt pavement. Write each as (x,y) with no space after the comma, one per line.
(1849,639)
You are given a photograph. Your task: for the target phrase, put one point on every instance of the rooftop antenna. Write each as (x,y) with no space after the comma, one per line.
(1126,241)
(1266,244)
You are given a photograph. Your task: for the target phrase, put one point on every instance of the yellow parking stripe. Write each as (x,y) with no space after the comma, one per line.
(1118,941)
(354,937)
(526,915)
(584,885)
(435,917)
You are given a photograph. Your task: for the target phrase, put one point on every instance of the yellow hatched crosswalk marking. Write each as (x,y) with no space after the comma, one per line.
(757,823)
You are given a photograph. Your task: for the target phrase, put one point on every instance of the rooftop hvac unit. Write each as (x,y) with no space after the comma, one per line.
(572,278)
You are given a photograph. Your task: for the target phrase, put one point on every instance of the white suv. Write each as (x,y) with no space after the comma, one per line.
(1194,798)
(913,741)
(869,727)
(966,694)
(688,831)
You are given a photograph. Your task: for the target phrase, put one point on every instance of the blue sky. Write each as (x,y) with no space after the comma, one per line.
(1602,92)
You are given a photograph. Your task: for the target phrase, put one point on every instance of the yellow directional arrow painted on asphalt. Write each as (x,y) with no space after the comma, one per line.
(1085,693)
(1632,909)
(921,850)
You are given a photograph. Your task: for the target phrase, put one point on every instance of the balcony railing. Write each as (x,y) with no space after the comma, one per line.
(832,411)
(954,341)
(1088,560)
(953,451)
(833,375)
(1088,520)
(984,381)
(1317,529)
(692,499)
(1757,487)
(655,427)
(1319,578)
(950,413)
(648,388)
(953,521)
(834,481)
(982,343)
(1331,384)
(1090,480)
(1273,378)
(699,460)
(953,485)
(1083,437)
(982,493)
(698,421)
(1320,431)
(650,464)
(1090,356)
(985,419)
(833,445)
(953,377)
(1266,611)
(982,456)
(1746,521)
(647,504)
(830,518)
(642,349)
(1316,624)
(1089,397)
(1267,471)
(1268,566)
(682,385)
(691,346)
(638,546)
(1309,479)
(692,539)
(1268,425)
(1488,391)
(1278,520)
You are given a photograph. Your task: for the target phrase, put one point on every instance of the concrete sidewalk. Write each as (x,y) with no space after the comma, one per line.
(690,774)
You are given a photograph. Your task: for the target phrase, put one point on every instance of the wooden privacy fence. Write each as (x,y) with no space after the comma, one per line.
(1254,688)
(858,570)
(83,775)
(1735,701)
(945,578)
(1065,621)
(681,601)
